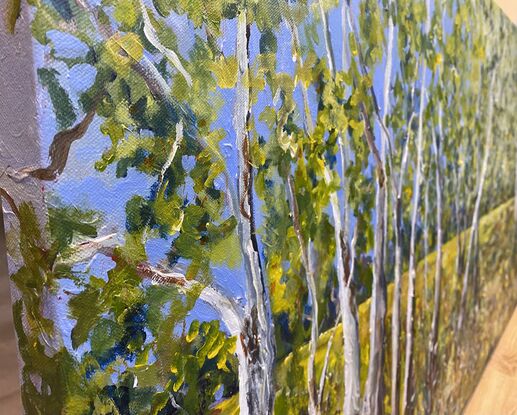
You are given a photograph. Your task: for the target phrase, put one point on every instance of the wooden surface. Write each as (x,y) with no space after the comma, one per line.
(496,392)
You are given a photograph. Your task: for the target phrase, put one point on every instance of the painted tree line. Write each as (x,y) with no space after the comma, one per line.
(388,133)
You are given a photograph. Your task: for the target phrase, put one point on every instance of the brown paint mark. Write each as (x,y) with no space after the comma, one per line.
(58,152)
(5,194)
(145,271)
(246,178)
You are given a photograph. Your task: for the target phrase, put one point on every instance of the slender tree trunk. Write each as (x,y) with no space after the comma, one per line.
(407,398)
(408,394)
(374,390)
(351,319)
(397,225)
(307,262)
(425,231)
(323,376)
(479,195)
(395,318)
(345,291)
(347,301)
(256,393)
(475,267)
(433,338)
(385,145)
(458,223)
(348,314)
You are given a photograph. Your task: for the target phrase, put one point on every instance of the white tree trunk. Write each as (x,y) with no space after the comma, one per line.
(19,146)
(425,235)
(408,393)
(395,318)
(374,392)
(435,320)
(479,195)
(257,338)
(386,145)
(351,402)
(407,397)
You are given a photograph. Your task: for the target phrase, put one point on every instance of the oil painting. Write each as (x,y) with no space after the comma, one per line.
(257,206)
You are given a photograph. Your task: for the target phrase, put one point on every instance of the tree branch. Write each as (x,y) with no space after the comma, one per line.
(229,310)
(58,152)
(152,37)
(323,375)
(9,199)
(174,149)
(311,285)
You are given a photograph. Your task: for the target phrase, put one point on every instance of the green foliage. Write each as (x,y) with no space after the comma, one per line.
(455,390)
(308,123)
(63,107)
(13,11)
(67,222)
(49,372)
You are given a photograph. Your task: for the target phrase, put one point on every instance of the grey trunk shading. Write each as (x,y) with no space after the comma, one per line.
(20,145)
(257,337)
(351,337)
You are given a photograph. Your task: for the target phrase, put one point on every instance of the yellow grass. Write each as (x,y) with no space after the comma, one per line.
(460,362)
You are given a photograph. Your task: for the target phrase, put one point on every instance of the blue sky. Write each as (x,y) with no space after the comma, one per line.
(81,185)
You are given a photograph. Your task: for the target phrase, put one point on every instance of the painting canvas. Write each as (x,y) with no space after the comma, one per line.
(257,206)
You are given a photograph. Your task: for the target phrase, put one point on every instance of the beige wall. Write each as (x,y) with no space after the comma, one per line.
(510,8)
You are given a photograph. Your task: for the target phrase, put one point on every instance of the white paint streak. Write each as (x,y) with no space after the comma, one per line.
(408,395)
(256,384)
(152,37)
(479,195)
(174,149)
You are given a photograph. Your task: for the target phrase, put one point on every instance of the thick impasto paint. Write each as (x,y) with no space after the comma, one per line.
(257,206)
